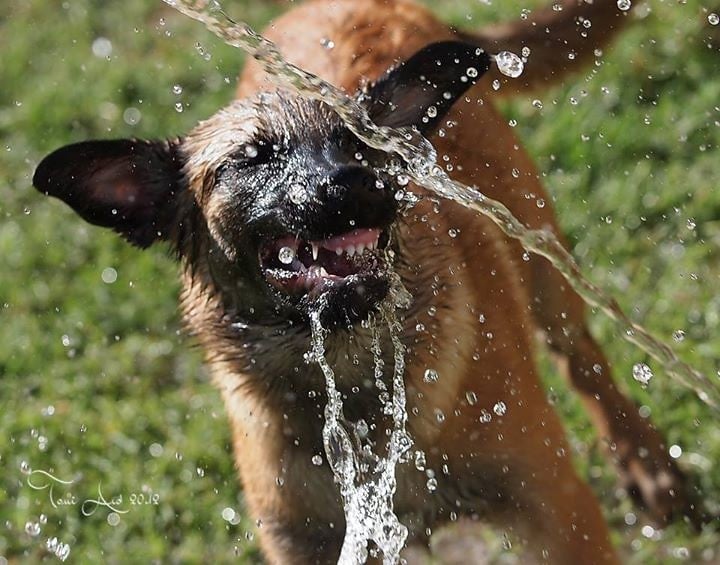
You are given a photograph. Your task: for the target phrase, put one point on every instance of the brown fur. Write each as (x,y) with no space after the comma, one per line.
(489,278)
(479,302)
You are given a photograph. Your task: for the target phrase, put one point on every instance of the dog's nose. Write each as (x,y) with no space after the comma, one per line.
(355,196)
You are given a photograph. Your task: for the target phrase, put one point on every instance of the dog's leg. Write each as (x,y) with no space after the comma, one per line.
(295,545)
(542,501)
(493,159)
(649,472)
(562,518)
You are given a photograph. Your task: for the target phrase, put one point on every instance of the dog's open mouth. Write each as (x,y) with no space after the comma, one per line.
(297,266)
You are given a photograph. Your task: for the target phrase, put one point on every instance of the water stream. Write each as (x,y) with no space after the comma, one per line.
(367,480)
(420,156)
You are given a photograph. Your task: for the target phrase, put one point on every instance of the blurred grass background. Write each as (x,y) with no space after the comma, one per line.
(97,383)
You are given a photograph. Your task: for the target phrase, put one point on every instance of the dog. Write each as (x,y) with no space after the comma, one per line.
(272,205)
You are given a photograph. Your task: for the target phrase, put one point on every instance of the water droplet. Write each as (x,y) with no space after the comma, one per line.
(713,19)
(132,116)
(431,484)
(500,408)
(327,43)
(525,51)
(471,398)
(624,5)
(509,64)
(452,232)
(402,179)
(362,428)
(177,89)
(430,376)
(642,373)
(675,451)
(472,72)
(25,468)
(109,275)
(691,224)
(204,53)
(286,255)
(155,449)
(113,518)
(432,112)
(678,335)
(297,193)
(317,460)
(102,47)
(540,203)
(537,104)
(420,461)
(228,514)
(251,151)
(496,84)
(32,528)
(178,106)
(42,519)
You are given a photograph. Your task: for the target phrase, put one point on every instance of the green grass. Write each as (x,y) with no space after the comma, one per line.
(131,406)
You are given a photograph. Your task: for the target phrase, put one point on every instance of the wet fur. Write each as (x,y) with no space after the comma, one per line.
(479,302)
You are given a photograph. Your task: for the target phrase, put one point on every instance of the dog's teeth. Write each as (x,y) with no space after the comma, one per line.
(323,272)
(350,250)
(359,249)
(314,251)
(339,251)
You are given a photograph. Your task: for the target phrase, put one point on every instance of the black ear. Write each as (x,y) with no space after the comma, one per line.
(420,91)
(128,185)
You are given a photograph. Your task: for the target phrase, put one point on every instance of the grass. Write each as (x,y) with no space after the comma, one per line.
(98,383)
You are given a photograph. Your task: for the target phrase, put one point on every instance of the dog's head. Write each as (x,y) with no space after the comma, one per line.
(277,200)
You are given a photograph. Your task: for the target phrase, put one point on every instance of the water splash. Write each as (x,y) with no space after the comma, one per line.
(420,156)
(367,481)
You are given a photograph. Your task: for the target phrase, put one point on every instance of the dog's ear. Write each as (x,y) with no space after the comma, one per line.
(128,185)
(420,91)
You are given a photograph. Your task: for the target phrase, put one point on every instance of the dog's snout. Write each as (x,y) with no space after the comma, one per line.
(353,181)
(355,194)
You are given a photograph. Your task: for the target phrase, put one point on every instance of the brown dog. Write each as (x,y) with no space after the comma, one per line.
(273,171)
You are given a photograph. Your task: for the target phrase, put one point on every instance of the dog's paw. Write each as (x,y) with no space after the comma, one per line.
(659,486)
